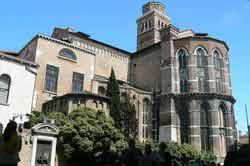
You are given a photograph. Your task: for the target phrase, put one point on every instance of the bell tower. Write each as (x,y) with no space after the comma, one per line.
(149,25)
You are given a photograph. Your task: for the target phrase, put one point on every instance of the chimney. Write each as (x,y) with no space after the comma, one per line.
(69,29)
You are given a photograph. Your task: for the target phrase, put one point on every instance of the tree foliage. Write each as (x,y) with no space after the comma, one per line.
(207,158)
(83,132)
(185,154)
(128,117)
(113,91)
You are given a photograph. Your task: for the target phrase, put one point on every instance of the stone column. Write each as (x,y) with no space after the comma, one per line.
(214,129)
(194,116)
(168,130)
(229,128)
(192,70)
(211,74)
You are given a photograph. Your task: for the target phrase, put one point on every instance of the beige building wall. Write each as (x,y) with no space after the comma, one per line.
(107,56)
(145,68)
(105,61)
(47,53)
(93,58)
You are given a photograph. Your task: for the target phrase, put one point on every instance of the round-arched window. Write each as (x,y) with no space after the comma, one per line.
(4,88)
(101,91)
(182,56)
(67,53)
(201,53)
(217,60)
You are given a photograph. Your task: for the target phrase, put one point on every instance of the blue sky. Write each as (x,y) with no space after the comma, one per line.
(114,22)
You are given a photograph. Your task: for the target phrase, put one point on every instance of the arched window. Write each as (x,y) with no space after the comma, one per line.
(150,24)
(4,88)
(222,110)
(218,66)
(182,58)
(146,118)
(204,118)
(101,91)
(183,71)
(201,56)
(217,59)
(202,69)
(142,27)
(204,123)
(67,53)
(123,98)
(146,25)
(184,122)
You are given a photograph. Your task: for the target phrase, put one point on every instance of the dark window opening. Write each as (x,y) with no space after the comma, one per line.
(51,78)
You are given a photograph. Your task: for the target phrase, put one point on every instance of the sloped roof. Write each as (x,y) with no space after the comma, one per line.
(17,60)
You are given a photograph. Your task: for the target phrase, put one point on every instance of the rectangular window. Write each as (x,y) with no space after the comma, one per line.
(3,96)
(77,82)
(51,78)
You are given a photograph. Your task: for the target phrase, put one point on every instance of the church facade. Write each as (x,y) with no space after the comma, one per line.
(179,81)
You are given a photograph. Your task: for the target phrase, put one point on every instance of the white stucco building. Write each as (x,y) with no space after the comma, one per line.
(17,78)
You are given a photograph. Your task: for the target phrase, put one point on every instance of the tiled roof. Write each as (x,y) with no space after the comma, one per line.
(7,52)
(87,37)
(16,59)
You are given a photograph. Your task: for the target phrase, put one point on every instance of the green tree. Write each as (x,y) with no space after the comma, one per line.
(189,154)
(128,117)
(207,158)
(186,154)
(113,91)
(82,134)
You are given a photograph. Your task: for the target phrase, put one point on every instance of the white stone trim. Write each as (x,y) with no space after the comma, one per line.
(216,49)
(203,48)
(192,80)
(53,140)
(194,136)
(152,11)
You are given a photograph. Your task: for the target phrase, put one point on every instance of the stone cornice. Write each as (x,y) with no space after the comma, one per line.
(65,43)
(201,96)
(153,11)
(206,38)
(57,41)
(18,60)
(85,94)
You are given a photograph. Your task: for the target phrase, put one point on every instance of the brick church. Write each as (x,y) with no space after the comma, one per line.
(178,80)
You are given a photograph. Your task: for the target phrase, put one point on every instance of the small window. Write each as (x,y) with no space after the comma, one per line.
(184,86)
(101,91)
(67,53)
(182,58)
(217,60)
(150,24)
(77,82)
(146,25)
(142,27)
(201,57)
(51,78)
(183,70)
(4,88)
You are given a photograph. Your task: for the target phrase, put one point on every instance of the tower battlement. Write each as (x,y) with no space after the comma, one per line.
(153,5)
(149,25)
